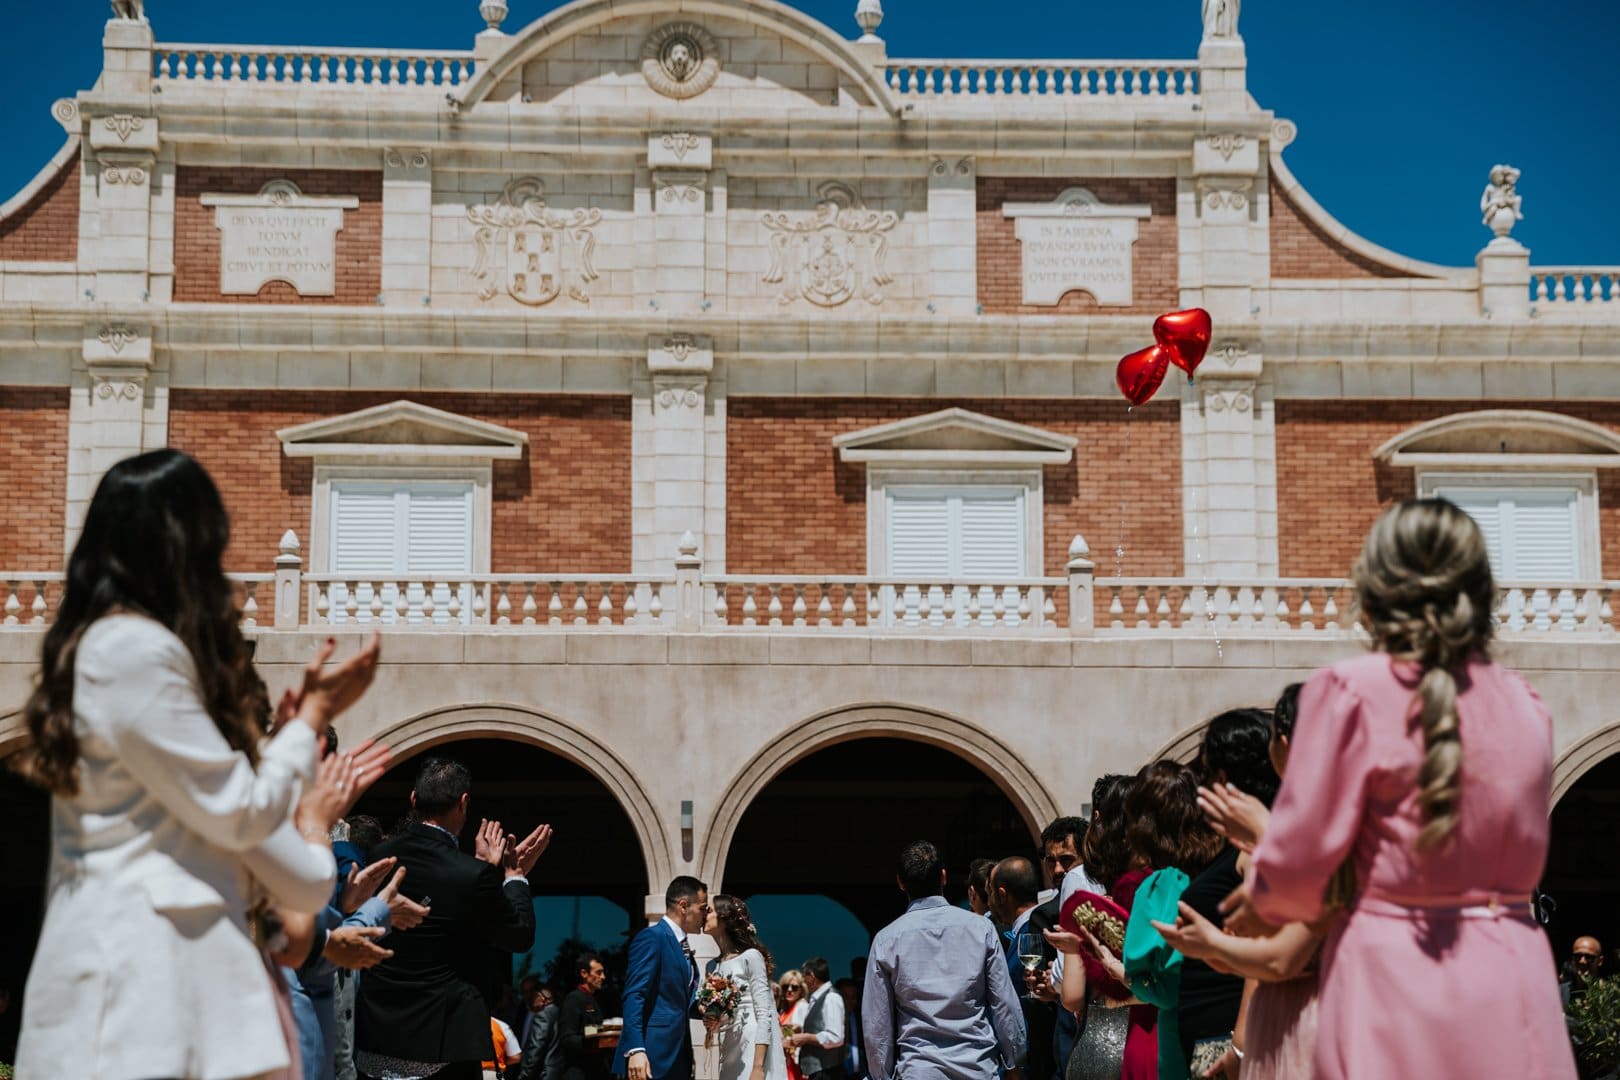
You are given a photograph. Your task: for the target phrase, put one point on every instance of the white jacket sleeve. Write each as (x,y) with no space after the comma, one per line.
(297,873)
(763,1011)
(138,686)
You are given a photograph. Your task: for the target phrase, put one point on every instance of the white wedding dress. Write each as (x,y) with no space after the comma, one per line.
(754,1022)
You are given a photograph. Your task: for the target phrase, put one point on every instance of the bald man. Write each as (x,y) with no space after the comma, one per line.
(1585,962)
(1015,886)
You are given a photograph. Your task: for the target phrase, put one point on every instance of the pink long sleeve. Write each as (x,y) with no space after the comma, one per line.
(1319,811)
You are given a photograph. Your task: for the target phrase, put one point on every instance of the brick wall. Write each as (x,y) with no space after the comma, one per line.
(358,270)
(33,473)
(1301,250)
(793,508)
(1329,489)
(565,505)
(46,228)
(1154,284)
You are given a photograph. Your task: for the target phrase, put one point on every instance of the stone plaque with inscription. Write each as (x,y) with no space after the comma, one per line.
(1076,242)
(280,234)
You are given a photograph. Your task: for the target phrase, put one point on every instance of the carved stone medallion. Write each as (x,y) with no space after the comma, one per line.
(521,244)
(833,253)
(680,60)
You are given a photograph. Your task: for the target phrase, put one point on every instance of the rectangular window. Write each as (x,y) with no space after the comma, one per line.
(402,534)
(943,534)
(1533,533)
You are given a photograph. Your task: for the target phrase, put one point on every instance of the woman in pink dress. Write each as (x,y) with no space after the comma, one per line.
(1433,767)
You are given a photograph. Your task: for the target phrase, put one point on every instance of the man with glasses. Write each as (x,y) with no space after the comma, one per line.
(1585,963)
(660,988)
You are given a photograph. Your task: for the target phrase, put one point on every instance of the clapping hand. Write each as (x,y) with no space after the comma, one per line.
(362,884)
(340,780)
(355,947)
(1235,814)
(490,843)
(1241,917)
(1192,935)
(403,912)
(521,855)
(328,691)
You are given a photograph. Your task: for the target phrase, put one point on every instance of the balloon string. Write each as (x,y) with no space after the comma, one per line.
(1125,460)
(1203,576)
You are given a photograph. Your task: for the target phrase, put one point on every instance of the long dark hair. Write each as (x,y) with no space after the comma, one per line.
(152,545)
(1165,827)
(739,926)
(1237,745)
(1105,852)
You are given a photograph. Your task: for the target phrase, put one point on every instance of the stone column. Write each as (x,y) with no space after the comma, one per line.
(679,162)
(108,407)
(123,139)
(1229,466)
(407,226)
(953,235)
(675,487)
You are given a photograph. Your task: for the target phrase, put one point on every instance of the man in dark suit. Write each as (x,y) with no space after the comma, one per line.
(542,1043)
(660,989)
(423,1008)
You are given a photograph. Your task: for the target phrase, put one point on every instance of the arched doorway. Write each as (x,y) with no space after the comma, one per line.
(1582,876)
(589,886)
(814,851)
(24,866)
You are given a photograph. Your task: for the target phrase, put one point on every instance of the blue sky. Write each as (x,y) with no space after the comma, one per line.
(1402,105)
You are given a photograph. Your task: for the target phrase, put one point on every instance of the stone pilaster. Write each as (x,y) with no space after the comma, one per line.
(953,235)
(1229,466)
(123,144)
(1218,226)
(677,448)
(407,226)
(114,411)
(679,162)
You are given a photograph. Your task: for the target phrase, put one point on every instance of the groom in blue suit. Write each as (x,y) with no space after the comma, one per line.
(660,989)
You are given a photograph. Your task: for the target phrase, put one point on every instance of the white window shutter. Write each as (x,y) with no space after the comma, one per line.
(365,537)
(439,531)
(919,539)
(992,534)
(1545,536)
(390,532)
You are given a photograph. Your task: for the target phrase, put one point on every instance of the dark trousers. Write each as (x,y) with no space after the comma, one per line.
(459,1070)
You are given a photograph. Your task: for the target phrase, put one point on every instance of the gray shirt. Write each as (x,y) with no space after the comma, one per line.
(939,1003)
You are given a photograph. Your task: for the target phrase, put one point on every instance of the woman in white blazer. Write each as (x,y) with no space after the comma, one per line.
(146,727)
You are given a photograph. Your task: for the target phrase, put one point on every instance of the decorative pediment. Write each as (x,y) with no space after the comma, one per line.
(1504,439)
(955,437)
(402,430)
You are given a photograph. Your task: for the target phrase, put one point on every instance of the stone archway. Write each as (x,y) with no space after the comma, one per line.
(992,757)
(547,732)
(1582,756)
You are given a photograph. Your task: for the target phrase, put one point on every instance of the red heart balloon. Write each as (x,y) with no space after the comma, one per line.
(1140,373)
(1186,335)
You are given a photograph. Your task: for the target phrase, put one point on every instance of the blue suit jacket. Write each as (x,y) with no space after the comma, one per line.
(658,1003)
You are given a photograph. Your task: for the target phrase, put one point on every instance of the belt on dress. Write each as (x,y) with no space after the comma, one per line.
(1480,905)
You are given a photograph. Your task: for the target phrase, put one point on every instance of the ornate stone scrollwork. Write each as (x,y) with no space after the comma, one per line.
(521,244)
(679,187)
(1230,352)
(670,397)
(1284,132)
(66,112)
(108,387)
(117,336)
(1217,399)
(123,125)
(1227,145)
(680,60)
(1235,200)
(833,253)
(680,143)
(133,175)
(942,167)
(680,346)
(405,159)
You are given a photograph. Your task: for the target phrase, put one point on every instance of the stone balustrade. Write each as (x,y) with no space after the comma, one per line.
(312,67)
(1175,80)
(1078,604)
(1563,288)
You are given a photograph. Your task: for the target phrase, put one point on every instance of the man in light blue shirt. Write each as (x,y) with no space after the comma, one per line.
(939,1000)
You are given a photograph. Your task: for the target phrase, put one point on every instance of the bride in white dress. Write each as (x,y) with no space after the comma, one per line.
(751,1038)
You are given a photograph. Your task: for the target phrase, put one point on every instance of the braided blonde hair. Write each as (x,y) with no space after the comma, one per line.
(1424,586)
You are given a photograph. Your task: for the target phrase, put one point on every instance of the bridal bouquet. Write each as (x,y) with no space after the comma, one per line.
(717,1000)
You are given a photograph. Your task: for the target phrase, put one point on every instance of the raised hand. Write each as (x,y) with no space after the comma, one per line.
(1064,942)
(403,912)
(1235,814)
(1192,935)
(526,852)
(1241,917)
(362,884)
(490,842)
(355,947)
(328,798)
(328,691)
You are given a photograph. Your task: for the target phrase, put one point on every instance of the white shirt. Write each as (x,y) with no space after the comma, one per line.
(680,935)
(831,1034)
(1076,880)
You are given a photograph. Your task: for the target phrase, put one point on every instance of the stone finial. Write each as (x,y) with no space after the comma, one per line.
(289,543)
(688,544)
(1501,205)
(1078,548)
(494,13)
(869,16)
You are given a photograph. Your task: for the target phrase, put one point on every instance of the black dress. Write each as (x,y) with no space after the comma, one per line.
(1209,1000)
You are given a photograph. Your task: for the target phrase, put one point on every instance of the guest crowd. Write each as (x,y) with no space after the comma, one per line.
(1339,885)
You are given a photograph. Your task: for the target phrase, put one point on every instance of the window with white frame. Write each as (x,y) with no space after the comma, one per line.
(389,535)
(1539,528)
(939,533)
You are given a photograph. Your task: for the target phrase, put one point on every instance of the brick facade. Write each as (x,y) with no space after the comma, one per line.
(358,270)
(46,228)
(1155,286)
(565,505)
(793,508)
(33,473)
(1301,250)
(1329,488)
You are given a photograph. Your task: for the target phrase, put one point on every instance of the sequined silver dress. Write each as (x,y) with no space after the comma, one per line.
(1100,1053)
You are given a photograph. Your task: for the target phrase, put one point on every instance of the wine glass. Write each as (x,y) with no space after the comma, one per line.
(1030,953)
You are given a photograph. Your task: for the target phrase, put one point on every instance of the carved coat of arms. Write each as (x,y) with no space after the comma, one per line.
(834,252)
(532,251)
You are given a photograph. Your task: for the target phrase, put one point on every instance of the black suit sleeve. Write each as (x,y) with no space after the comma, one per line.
(571,1027)
(503,913)
(542,1033)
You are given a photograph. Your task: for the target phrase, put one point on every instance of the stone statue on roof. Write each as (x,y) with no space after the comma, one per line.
(129,9)
(1221,18)
(1501,205)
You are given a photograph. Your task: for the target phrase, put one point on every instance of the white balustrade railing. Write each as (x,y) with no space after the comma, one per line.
(30,599)
(315,66)
(921,605)
(1576,286)
(597,600)
(1146,79)
(1287,604)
